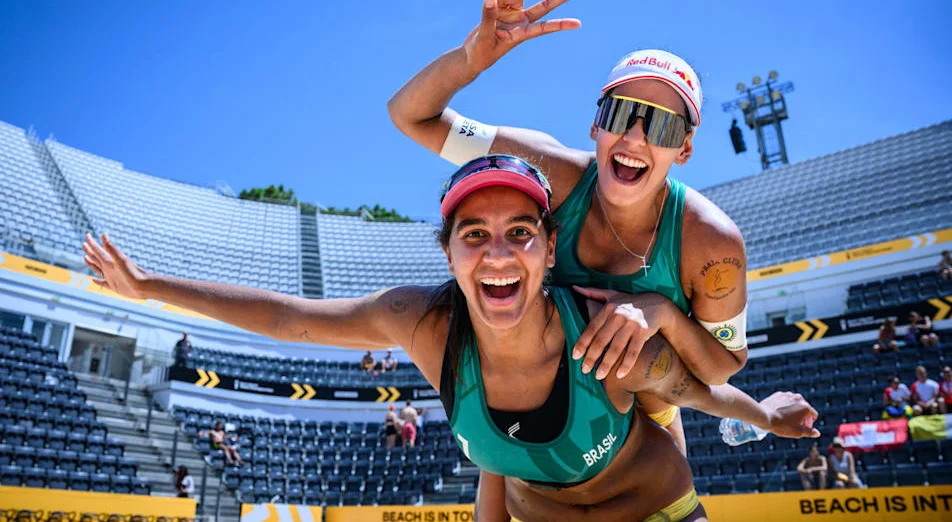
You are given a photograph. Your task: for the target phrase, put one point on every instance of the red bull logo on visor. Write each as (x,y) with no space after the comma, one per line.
(685,76)
(650,60)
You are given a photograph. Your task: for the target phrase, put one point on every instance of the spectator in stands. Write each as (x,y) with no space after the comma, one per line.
(388,363)
(945,266)
(896,400)
(183,349)
(368,363)
(925,394)
(945,390)
(843,466)
(184,484)
(887,337)
(217,440)
(391,426)
(920,330)
(409,416)
(812,469)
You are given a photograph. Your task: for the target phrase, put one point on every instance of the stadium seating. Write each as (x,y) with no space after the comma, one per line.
(184,230)
(909,288)
(845,384)
(311,371)
(838,201)
(49,436)
(352,250)
(32,205)
(345,463)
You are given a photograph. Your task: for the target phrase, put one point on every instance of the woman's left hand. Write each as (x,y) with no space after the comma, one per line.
(622,326)
(790,415)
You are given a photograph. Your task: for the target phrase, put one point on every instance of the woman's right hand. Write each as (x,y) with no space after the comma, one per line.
(116,271)
(506,24)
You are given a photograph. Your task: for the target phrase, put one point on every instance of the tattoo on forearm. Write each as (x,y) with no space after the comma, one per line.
(660,362)
(720,276)
(686,380)
(305,336)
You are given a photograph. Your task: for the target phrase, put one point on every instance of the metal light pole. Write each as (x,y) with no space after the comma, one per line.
(764,107)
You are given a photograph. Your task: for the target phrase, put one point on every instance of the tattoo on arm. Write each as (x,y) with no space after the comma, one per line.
(660,363)
(305,336)
(399,305)
(720,277)
(687,379)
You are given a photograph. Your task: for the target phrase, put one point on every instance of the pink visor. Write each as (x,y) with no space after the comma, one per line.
(495,171)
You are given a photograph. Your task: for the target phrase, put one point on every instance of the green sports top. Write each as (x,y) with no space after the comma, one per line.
(664,264)
(593,433)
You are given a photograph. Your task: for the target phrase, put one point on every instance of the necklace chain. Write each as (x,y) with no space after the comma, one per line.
(643,258)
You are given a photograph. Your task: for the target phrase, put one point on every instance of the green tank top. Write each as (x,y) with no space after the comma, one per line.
(593,433)
(664,264)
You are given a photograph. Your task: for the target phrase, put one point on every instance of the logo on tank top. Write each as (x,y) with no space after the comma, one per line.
(598,452)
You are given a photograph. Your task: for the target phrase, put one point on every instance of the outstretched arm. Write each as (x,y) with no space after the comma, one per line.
(661,372)
(380,320)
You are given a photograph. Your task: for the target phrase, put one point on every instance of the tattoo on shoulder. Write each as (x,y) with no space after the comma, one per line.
(404,299)
(720,276)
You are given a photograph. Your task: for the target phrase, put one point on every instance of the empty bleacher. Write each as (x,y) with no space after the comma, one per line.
(359,257)
(326,463)
(183,230)
(909,288)
(311,371)
(887,189)
(50,436)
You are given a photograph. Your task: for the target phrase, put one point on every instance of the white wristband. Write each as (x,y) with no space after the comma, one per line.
(468,139)
(732,333)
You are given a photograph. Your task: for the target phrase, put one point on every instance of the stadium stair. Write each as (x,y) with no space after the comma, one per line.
(310,258)
(153,450)
(455,487)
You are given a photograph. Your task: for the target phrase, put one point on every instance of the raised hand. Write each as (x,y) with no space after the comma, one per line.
(116,271)
(506,24)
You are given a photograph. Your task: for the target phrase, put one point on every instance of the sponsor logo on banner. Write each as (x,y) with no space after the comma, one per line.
(346,394)
(252,386)
(434,513)
(425,393)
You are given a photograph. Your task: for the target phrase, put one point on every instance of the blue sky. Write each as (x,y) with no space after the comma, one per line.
(255,93)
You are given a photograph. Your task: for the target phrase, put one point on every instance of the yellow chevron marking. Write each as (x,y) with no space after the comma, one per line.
(202,378)
(214,379)
(821,328)
(807,331)
(942,307)
(311,392)
(298,391)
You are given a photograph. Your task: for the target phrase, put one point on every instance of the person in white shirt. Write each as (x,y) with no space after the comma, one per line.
(925,394)
(184,484)
(896,400)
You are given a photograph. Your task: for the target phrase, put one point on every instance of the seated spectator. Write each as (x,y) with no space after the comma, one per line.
(843,466)
(217,439)
(887,337)
(389,363)
(945,266)
(925,394)
(920,330)
(368,363)
(813,469)
(945,390)
(896,400)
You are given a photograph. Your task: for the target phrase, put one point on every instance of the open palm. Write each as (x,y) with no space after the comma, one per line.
(116,270)
(506,24)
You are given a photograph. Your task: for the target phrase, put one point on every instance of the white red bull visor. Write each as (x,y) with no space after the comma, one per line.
(664,66)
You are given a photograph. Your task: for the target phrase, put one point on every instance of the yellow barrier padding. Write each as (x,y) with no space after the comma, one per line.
(47,500)
(280,513)
(906,504)
(441,513)
(33,268)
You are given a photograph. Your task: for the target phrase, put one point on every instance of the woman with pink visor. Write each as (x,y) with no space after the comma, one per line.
(623,220)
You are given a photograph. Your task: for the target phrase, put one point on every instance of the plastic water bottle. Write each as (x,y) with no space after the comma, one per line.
(735,432)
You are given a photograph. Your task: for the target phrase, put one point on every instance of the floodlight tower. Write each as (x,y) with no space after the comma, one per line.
(764,107)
